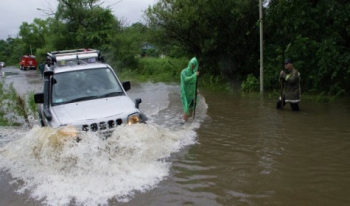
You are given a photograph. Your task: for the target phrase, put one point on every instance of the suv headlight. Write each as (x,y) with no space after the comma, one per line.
(134,119)
(68,131)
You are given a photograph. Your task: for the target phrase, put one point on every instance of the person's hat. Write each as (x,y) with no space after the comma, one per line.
(288,61)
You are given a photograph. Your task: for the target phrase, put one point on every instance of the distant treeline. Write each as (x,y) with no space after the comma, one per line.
(223,35)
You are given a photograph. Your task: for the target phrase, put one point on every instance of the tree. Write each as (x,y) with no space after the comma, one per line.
(312,33)
(75,24)
(126,45)
(222,34)
(33,35)
(91,24)
(11,50)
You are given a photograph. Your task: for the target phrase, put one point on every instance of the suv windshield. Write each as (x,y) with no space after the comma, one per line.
(81,85)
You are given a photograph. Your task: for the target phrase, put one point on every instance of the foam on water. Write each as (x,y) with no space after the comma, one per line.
(55,169)
(58,170)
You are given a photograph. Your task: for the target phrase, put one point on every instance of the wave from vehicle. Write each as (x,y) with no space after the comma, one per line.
(58,170)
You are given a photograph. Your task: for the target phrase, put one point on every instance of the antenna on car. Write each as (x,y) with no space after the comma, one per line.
(78,59)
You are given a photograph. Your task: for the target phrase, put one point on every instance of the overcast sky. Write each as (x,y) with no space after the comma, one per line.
(14,12)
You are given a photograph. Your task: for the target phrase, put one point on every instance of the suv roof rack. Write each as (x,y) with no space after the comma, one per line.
(78,56)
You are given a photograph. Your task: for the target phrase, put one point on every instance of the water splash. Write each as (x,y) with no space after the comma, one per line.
(55,169)
(58,170)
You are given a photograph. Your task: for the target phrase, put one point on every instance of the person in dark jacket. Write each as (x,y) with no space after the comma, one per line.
(290,80)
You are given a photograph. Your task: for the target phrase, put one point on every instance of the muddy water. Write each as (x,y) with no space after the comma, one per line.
(239,150)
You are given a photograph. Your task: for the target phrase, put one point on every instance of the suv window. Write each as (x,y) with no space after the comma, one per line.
(81,85)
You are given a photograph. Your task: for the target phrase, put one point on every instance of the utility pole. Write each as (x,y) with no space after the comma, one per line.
(261,48)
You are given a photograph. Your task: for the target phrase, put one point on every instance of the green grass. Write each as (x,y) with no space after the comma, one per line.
(15,108)
(168,70)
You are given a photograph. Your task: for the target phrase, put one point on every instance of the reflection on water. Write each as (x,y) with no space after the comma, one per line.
(257,155)
(9,73)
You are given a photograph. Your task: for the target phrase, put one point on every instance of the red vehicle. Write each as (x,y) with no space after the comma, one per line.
(28,62)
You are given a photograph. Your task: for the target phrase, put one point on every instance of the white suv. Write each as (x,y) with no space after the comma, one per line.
(82,91)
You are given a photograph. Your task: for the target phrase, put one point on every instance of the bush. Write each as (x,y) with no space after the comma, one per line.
(161,69)
(251,84)
(15,109)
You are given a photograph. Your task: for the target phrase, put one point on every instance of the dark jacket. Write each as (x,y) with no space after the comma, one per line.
(292,86)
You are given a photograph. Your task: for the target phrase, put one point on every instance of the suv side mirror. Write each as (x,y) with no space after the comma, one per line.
(137,103)
(126,85)
(39,98)
(101,59)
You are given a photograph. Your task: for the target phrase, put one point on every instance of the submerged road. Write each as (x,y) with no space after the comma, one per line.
(239,150)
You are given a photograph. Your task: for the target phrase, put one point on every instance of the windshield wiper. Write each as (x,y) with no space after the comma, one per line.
(112,94)
(82,99)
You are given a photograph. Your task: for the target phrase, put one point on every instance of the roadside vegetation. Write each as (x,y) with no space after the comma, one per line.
(168,70)
(224,36)
(15,110)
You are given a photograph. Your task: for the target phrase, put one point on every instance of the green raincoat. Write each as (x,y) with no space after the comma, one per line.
(188,84)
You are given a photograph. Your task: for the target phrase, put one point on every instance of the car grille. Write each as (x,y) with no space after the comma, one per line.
(101,126)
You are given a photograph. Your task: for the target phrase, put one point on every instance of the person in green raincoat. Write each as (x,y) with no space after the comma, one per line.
(188,87)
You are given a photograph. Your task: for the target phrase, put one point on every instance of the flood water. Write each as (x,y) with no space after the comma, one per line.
(239,150)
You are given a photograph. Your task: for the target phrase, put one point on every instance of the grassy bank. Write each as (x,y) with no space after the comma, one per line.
(168,70)
(14,108)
